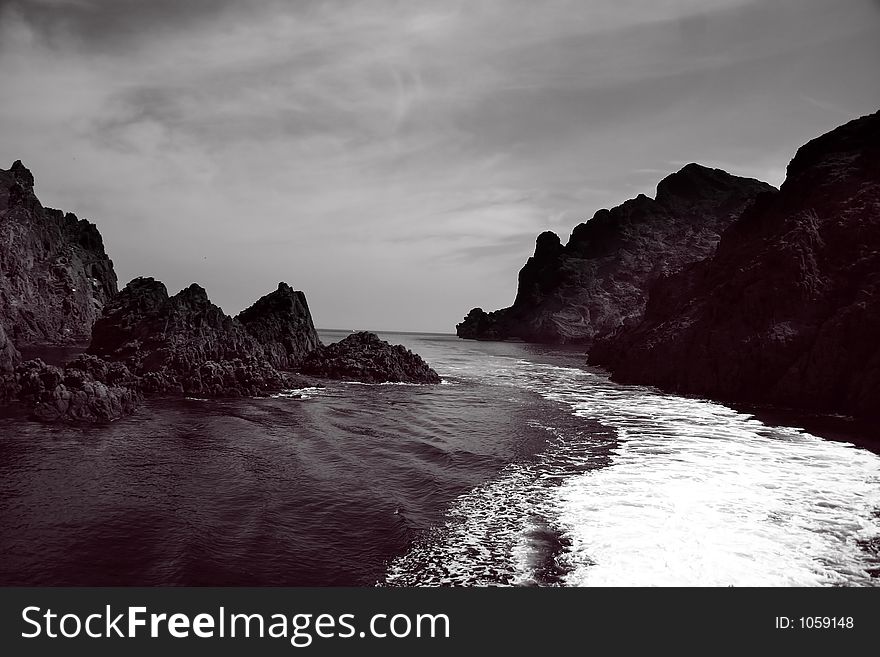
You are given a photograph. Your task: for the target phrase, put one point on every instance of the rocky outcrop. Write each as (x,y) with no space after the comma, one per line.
(185,344)
(787,310)
(282,323)
(87,390)
(55,276)
(58,287)
(364,357)
(600,278)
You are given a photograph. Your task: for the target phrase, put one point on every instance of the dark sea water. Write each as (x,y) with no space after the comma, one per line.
(523,467)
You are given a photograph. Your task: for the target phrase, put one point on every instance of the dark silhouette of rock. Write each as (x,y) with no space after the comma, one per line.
(282,323)
(74,393)
(364,357)
(787,309)
(185,344)
(55,276)
(57,287)
(600,279)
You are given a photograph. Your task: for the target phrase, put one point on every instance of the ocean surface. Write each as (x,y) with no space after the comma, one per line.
(525,467)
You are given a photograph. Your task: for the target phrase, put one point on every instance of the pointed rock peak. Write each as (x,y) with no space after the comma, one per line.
(21,174)
(283,300)
(194,292)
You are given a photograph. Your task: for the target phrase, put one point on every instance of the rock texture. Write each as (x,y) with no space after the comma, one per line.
(86,390)
(600,279)
(185,344)
(282,323)
(364,357)
(9,355)
(787,310)
(55,276)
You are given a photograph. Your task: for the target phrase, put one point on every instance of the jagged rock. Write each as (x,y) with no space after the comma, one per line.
(71,394)
(148,330)
(600,279)
(55,276)
(364,357)
(184,344)
(787,310)
(282,323)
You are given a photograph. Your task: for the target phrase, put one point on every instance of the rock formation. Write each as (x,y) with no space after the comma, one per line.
(185,344)
(787,310)
(57,286)
(85,390)
(600,278)
(364,357)
(282,323)
(55,276)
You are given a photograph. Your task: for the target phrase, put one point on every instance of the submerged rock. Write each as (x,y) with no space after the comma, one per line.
(364,357)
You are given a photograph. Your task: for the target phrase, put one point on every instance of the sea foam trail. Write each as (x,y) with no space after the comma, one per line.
(675,491)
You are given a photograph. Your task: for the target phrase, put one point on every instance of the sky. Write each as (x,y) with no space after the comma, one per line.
(395,160)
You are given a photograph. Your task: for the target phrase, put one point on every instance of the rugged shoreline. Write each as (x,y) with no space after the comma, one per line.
(144,342)
(784,309)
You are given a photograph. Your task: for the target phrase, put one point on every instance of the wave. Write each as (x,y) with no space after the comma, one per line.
(674,491)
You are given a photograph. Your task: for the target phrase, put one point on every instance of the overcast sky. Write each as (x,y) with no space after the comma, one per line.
(396,159)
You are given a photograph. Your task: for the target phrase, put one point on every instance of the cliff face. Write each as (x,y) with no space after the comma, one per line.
(55,276)
(600,278)
(787,310)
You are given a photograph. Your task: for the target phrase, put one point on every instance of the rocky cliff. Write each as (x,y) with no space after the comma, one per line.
(600,278)
(55,276)
(282,323)
(787,310)
(186,344)
(57,286)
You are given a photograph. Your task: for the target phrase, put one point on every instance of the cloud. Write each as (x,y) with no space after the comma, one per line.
(339,144)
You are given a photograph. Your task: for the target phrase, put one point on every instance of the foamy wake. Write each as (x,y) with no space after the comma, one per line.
(696,494)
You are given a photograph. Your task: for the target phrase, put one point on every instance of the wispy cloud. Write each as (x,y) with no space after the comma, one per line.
(338,145)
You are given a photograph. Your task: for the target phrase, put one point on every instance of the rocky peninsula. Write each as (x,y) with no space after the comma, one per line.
(725,287)
(786,311)
(57,286)
(600,278)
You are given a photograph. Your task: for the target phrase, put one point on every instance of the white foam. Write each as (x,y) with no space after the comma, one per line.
(298,393)
(713,497)
(696,494)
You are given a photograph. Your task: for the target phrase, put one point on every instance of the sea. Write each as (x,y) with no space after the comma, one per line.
(524,467)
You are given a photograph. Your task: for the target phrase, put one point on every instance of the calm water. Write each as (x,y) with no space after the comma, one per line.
(524,467)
